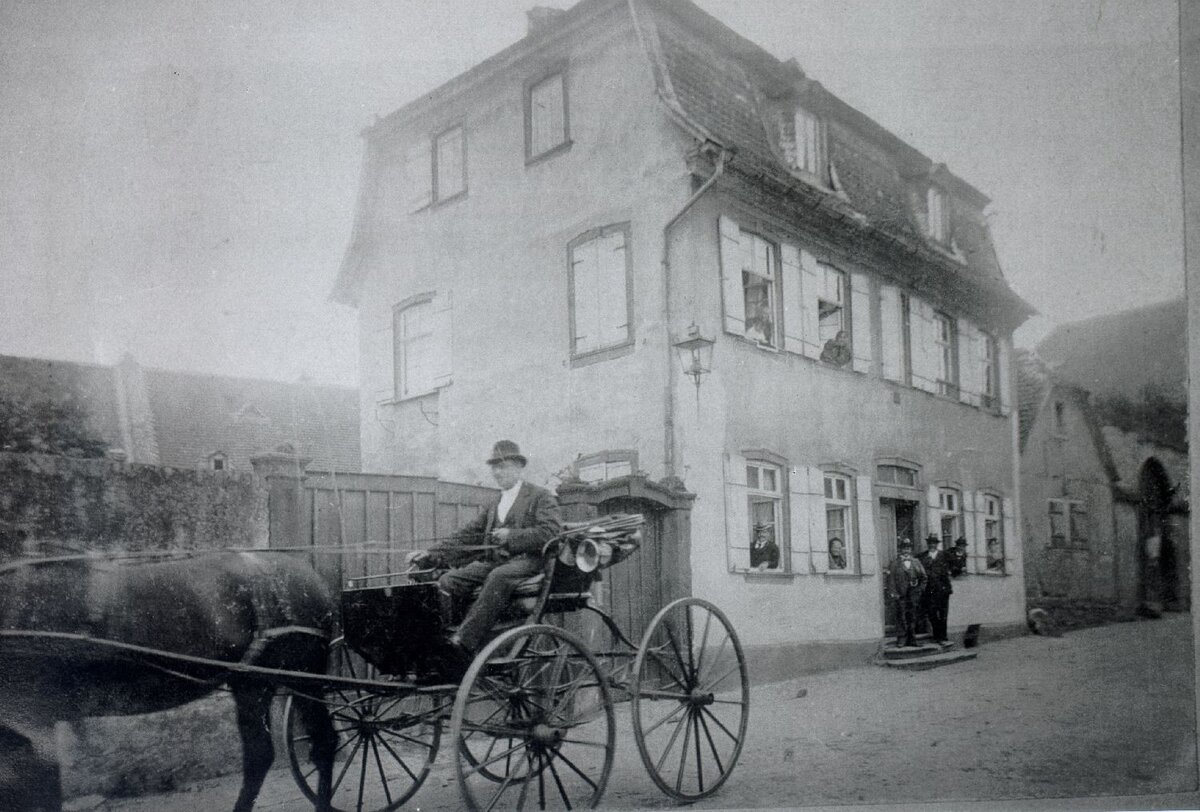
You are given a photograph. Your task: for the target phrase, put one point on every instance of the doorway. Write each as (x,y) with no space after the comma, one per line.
(897,520)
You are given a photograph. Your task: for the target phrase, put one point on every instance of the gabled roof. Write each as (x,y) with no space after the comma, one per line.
(1119,353)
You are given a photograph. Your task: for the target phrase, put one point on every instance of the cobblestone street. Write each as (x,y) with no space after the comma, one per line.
(1107,711)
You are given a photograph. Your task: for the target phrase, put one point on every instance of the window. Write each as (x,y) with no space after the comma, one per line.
(414,347)
(949,527)
(937,213)
(990,397)
(993,533)
(764,486)
(946,341)
(759,288)
(450,164)
(839,530)
(906,349)
(888,474)
(601,298)
(1068,523)
(831,305)
(802,141)
(546,123)
(605,465)
(217,462)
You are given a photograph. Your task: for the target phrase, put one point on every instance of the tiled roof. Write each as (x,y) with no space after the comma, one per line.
(196,416)
(1119,353)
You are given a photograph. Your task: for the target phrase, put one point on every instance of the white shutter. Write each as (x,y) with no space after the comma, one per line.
(924,349)
(817,534)
(1010,533)
(810,292)
(933,515)
(971,502)
(613,305)
(1005,384)
(977,546)
(418,175)
(733,298)
(441,355)
(793,298)
(379,362)
(585,295)
(892,332)
(860,320)
(968,365)
(798,511)
(867,546)
(737,514)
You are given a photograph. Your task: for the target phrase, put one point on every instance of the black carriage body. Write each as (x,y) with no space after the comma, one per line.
(393,627)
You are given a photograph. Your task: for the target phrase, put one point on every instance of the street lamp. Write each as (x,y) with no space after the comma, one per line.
(695,354)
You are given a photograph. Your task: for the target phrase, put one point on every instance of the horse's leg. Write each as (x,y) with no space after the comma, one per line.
(254,724)
(323,743)
(29,780)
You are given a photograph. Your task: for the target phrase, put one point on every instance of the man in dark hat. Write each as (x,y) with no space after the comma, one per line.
(958,557)
(906,583)
(520,522)
(936,598)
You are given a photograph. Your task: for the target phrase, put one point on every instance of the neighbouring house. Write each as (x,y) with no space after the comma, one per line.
(1104,466)
(193,420)
(543,244)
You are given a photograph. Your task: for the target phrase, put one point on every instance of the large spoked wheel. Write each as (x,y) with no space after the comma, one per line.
(533,724)
(691,699)
(386,743)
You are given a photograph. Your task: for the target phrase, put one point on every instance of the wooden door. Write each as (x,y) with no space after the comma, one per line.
(886,540)
(634,590)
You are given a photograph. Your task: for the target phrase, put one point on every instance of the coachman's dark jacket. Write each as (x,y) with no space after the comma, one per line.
(533,518)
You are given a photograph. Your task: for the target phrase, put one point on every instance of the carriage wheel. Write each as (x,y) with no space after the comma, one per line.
(533,724)
(386,742)
(691,699)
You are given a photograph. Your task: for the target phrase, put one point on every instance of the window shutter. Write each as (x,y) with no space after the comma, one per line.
(810,291)
(1005,388)
(1010,533)
(892,329)
(732,295)
(817,535)
(968,389)
(860,321)
(613,295)
(924,350)
(442,344)
(585,297)
(865,504)
(737,514)
(933,524)
(798,509)
(977,546)
(793,298)
(379,363)
(418,175)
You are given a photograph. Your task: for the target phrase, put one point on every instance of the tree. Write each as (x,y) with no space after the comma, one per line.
(53,422)
(1154,415)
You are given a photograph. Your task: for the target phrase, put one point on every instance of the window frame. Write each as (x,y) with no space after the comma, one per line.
(948,350)
(399,357)
(536,81)
(779,496)
(818,168)
(773,286)
(850,528)
(218,457)
(607,351)
(990,500)
(906,359)
(435,154)
(1067,509)
(843,307)
(605,458)
(945,490)
(989,398)
(937,214)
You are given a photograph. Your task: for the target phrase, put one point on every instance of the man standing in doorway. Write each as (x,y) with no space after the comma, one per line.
(936,600)
(907,582)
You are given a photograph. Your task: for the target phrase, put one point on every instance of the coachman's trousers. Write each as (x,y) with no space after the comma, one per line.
(499,580)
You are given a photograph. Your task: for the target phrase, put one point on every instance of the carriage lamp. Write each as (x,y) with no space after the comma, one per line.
(695,354)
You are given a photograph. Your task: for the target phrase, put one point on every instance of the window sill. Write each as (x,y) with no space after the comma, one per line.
(604,354)
(446,201)
(530,160)
(993,574)
(764,575)
(411,398)
(847,575)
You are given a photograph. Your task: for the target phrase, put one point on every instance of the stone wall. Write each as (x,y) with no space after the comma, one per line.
(109,505)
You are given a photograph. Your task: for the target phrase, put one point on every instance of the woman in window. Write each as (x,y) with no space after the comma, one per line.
(764,552)
(837,554)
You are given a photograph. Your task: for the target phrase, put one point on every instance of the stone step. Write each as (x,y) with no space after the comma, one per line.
(929,661)
(891,651)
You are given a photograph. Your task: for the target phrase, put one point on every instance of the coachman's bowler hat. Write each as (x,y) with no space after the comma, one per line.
(506,450)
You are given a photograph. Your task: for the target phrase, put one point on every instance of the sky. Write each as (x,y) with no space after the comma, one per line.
(180,177)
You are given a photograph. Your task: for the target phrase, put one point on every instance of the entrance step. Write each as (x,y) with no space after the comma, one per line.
(923,648)
(932,660)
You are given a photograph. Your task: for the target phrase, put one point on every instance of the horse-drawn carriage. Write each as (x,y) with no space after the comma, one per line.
(531,724)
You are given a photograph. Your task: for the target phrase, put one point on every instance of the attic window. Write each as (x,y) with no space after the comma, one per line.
(217,462)
(802,141)
(937,213)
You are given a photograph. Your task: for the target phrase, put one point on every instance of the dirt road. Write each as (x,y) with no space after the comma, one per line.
(1101,712)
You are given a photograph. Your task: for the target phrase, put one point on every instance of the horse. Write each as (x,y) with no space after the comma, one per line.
(238,608)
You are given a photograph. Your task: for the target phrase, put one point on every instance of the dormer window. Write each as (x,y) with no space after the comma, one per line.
(802,141)
(937,214)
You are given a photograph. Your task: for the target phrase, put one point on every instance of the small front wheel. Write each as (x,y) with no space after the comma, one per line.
(691,699)
(533,724)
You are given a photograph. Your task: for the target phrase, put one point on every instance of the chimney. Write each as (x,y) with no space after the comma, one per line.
(539,18)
